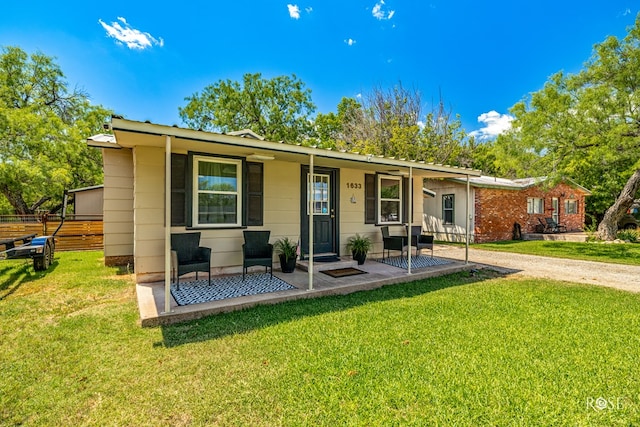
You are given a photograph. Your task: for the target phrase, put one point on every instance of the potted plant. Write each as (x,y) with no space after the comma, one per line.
(287,251)
(359,247)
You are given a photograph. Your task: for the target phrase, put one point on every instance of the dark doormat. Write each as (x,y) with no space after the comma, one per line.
(343,272)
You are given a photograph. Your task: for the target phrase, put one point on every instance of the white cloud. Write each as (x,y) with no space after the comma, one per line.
(381,14)
(350,42)
(132,38)
(294,11)
(308,9)
(495,124)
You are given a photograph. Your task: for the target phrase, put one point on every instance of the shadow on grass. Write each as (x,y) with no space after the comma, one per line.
(238,322)
(16,274)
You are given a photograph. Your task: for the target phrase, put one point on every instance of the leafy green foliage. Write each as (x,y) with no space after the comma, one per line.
(584,126)
(43,129)
(277,109)
(631,236)
(359,244)
(391,123)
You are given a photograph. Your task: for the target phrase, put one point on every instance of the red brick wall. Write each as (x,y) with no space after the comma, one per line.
(496,210)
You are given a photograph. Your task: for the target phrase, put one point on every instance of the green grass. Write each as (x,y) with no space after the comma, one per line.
(617,253)
(456,350)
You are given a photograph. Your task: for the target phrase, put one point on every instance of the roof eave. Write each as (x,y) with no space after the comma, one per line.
(118,124)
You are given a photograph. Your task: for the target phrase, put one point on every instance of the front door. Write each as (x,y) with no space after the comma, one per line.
(556,209)
(323,185)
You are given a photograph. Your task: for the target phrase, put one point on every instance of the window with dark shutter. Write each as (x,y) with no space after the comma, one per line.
(178,189)
(255,193)
(370,199)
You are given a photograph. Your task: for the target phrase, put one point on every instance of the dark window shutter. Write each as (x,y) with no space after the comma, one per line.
(255,193)
(178,189)
(405,201)
(370,199)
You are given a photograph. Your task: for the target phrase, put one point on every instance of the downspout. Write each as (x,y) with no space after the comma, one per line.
(410,216)
(167,225)
(467,214)
(311,190)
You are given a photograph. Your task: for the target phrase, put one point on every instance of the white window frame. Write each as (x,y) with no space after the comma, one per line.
(535,205)
(322,204)
(196,191)
(381,199)
(568,202)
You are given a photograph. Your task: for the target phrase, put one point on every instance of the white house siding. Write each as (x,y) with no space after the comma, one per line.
(148,209)
(433,222)
(118,206)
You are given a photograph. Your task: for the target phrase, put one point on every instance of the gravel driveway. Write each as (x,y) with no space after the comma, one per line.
(624,277)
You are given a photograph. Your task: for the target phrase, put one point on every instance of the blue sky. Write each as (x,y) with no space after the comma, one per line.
(142,59)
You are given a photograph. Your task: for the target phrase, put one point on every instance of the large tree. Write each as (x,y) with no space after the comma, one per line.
(585,126)
(391,122)
(277,108)
(43,128)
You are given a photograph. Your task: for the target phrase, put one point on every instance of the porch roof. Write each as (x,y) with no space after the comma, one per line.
(128,134)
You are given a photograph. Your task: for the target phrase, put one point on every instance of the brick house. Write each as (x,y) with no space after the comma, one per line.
(498,204)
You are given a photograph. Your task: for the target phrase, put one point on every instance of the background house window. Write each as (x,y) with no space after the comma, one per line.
(535,205)
(217,184)
(448,206)
(389,199)
(570,206)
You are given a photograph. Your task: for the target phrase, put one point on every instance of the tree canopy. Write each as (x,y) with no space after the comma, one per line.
(584,126)
(392,123)
(43,128)
(277,108)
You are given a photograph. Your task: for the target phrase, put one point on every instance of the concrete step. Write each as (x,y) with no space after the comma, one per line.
(344,262)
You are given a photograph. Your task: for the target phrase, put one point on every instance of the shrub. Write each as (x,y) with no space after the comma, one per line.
(629,235)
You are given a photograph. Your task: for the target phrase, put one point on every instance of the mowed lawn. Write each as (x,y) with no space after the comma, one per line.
(616,253)
(458,350)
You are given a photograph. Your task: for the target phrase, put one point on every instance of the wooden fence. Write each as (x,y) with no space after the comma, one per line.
(75,235)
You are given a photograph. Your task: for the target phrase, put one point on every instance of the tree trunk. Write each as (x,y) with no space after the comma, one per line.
(608,227)
(20,207)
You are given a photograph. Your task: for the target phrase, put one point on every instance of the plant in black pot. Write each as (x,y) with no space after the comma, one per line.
(287,251)
(359,247)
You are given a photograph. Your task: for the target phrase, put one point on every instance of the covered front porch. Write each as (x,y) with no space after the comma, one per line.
(152,303)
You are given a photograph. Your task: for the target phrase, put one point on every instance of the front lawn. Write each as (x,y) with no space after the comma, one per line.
(456,350)
(617,253)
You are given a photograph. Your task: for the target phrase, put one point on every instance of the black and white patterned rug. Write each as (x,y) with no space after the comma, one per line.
(199,291)
(419,261)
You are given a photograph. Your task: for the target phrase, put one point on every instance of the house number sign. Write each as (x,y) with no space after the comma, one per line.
(354,185)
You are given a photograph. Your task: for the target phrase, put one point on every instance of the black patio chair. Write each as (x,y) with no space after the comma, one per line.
(554,227)
(392,243)
(420,241)
(188,256)
(257,250)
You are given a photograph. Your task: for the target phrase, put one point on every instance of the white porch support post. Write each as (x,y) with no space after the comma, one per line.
(167,225)
(467,222)
(410,216)
(311,195)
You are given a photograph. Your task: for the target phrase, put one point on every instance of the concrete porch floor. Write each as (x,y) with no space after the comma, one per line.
(151,295)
